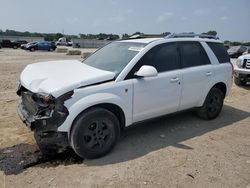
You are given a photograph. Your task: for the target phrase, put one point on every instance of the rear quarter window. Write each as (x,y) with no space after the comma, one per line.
(219,51)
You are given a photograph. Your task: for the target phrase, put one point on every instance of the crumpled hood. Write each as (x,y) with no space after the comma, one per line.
(59,77)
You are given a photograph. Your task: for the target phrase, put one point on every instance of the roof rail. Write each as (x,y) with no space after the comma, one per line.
(140,36)
(181,35)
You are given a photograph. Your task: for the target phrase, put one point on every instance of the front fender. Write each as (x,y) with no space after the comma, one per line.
(92,100)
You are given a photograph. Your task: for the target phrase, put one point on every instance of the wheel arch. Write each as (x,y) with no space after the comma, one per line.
(110,101)
(114,108)
(221,85)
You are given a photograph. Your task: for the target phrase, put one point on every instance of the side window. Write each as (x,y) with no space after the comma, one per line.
(193,54)
(219,51)
(163,57)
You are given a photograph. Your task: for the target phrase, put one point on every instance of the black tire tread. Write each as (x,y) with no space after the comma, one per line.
(202,111)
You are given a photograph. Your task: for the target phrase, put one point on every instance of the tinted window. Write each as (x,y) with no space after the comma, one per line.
(193,54)
(163,57)
(219,51)
(243,49)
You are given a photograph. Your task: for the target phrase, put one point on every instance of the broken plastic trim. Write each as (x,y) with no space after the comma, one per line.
(40,114)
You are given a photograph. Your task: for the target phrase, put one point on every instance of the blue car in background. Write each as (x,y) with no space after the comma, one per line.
(48,46)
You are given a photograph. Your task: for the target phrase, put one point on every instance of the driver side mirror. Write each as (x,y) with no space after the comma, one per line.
(146,71)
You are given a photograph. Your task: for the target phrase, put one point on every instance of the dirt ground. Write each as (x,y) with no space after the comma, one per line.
(178,150)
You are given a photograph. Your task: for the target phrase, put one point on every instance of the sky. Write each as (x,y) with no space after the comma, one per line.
(230,18)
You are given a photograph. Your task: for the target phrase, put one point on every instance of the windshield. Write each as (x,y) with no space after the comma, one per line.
(234,49)
(31,43)
(114,56)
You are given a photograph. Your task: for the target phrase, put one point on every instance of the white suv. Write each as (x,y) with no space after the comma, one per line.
(85,105)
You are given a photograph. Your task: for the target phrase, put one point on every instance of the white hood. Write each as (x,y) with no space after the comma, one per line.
(59,77)
(246,56)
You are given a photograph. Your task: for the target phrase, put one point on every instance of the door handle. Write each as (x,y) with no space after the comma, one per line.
(173,80)
(209,73)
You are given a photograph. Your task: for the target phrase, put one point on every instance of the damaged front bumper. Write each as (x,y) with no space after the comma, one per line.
(44,121)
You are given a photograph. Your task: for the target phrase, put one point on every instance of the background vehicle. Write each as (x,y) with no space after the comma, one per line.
(123,83)
(63,42)
(10,44)
(48,46)
(236,51)
(247,51)
(24,46)
(242,70)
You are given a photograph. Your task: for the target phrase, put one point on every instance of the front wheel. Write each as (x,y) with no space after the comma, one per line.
(32,49)
(212,105)
(95,132)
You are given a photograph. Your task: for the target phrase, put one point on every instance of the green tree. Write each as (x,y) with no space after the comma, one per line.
(214,33)
(58,35)
(137,33)
(125,36)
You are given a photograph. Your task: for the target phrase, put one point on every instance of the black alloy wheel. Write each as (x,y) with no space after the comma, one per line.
(212,105)
(94,133)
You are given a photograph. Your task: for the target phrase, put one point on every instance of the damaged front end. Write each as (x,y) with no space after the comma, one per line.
(43,114)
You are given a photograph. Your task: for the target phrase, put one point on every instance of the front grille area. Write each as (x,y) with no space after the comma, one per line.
(247,64)
(28,103)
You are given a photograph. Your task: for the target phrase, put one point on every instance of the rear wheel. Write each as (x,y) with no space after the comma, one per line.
(95,132)
(212,105)
(32,49)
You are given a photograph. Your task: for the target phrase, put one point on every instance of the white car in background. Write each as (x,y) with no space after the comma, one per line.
(242,70)
(85,105)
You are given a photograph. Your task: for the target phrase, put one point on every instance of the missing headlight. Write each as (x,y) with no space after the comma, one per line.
(43,100)
(59,102)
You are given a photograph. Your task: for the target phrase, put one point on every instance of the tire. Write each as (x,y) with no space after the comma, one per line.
(32,49)
(51,49)
(212,105)
(15,47)
(94,133)
(239,82)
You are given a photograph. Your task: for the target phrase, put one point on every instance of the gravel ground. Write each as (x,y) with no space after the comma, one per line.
(178,150)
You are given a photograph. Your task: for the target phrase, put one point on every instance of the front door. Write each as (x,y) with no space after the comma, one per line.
(158,95)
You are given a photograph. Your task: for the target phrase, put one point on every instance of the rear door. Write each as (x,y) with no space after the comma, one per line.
(40,45)
(46,46)
(197,73)
(158,95)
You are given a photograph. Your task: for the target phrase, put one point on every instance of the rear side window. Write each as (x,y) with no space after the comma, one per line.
(193,54)
(163,57)
(219,51)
